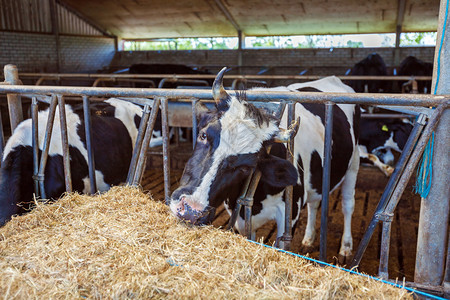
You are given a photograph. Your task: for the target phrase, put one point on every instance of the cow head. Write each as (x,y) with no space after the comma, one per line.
(231,142)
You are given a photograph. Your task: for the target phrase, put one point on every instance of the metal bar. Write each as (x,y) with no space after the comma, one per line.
(287,235)
(166,151)
(35,142)
(90,150)
(138,144)
(237,209)
(407,150)
(249,200)
(65,143)
(194,122)
(260,96)
(384,254)
(326,179)
(46,148)
(14,101)
(385,116)
(2,137)
(140,167)
(229,76)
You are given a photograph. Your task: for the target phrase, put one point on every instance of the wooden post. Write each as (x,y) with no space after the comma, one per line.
(14,101)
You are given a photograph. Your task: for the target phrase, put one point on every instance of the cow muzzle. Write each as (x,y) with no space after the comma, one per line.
(187,211)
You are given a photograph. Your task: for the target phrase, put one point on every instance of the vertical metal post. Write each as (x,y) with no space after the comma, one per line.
(166,151)
(329,107)
(14,101)
(2,137)
(434,210)
(35,142)
(287,235)
(407,150)
(90,150)
(65,143)
(194,123)
(237,209)
(46,148)
(385,245)
(139,140)
(142,152)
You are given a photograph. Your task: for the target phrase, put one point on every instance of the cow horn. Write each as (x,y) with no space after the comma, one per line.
(284,135)
(220,95)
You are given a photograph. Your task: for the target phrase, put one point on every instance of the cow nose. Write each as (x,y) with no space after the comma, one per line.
(185,212)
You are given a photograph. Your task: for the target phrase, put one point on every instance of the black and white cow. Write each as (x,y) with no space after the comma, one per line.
(379,137)
(412,66)
(115,126)
(231,142)
(372,65)
(165,69)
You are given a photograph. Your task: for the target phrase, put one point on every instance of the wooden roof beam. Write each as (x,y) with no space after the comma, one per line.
(399,23)
(228,15)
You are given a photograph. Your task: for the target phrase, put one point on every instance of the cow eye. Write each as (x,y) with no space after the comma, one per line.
(245,169)
(203,136)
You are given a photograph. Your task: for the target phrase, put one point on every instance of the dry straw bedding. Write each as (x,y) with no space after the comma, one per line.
(123,244)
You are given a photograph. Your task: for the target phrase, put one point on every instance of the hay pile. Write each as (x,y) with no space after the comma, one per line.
(124,245)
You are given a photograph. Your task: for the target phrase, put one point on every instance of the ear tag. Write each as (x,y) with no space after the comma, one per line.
(384,128)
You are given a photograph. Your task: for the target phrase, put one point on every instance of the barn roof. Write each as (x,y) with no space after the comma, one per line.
(142,19)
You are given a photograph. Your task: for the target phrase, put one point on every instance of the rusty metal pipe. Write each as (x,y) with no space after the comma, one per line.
(90,150)
(329,107)
(138,143)
(44,156)
(145,143)
(212,76)
(65,143)
(166,150)
(238,206)
(289,191)
(35,142)
(260,96)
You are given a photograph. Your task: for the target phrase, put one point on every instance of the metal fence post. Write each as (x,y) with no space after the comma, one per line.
(90,150)
(65,143)
(166,151)
(329,107)
(14,101)
(434,210)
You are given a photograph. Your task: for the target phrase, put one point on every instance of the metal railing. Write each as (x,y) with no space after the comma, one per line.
(152,97)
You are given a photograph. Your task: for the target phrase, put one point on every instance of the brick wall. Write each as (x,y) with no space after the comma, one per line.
(33,52)
(289,61)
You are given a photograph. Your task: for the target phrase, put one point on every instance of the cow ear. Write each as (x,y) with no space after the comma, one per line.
(201,109)
(277,172)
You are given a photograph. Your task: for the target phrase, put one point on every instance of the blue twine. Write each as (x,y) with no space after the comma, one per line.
(425,170)
(351,271)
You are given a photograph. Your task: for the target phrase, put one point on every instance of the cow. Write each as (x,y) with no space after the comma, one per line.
(372,65)
(231,141)
(165,69)
(379,137)
(115,126)
(412,66)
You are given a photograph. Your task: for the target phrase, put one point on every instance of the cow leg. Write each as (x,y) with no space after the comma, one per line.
(310,231)
(348,205)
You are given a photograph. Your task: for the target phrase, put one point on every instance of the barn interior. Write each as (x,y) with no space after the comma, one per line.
(54,42)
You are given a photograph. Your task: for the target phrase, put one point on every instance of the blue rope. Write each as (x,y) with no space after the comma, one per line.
(425,170)
(351,271)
